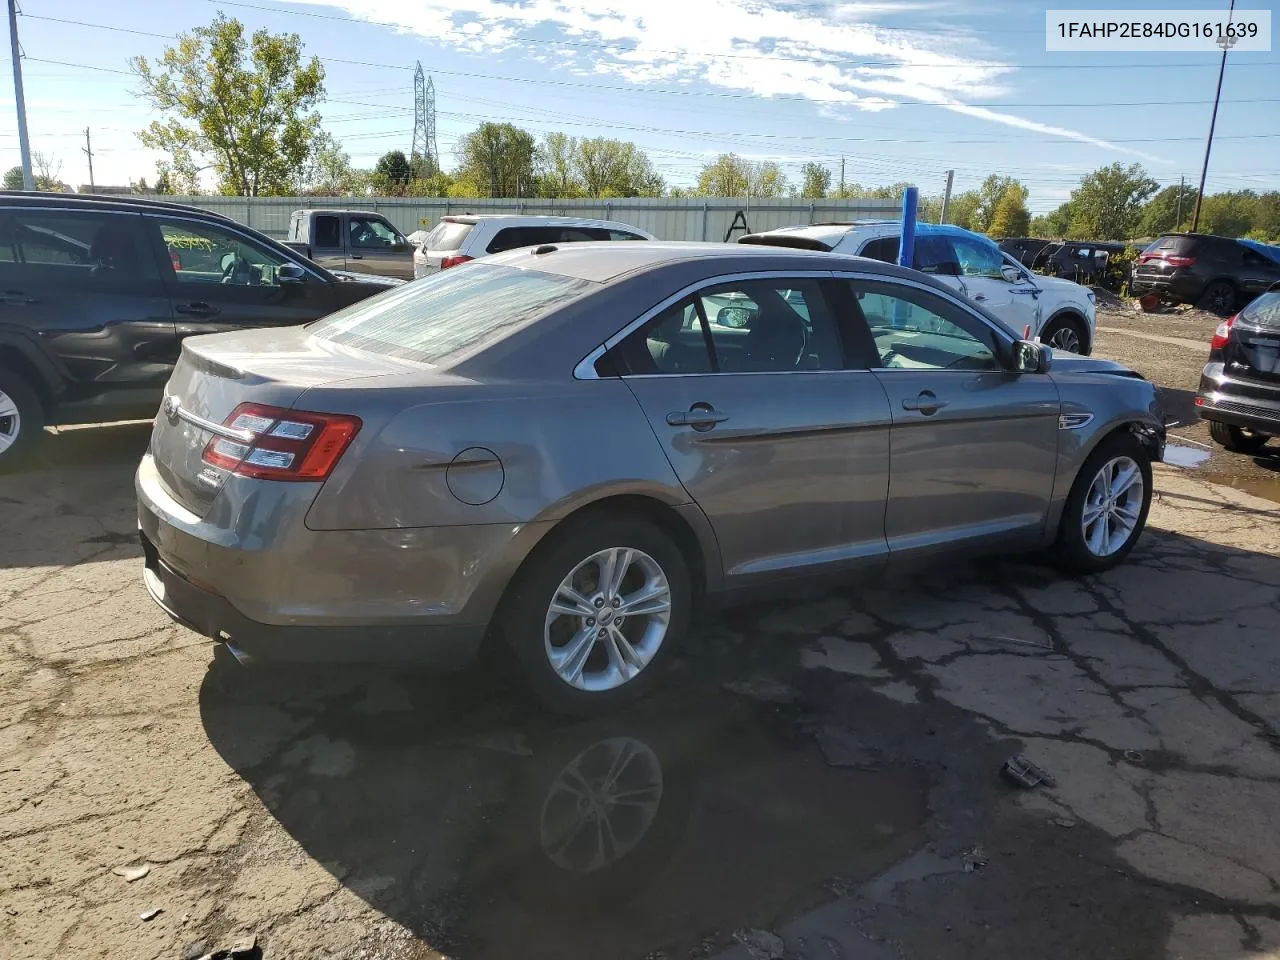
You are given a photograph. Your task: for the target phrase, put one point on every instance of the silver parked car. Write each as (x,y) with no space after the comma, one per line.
(566,450)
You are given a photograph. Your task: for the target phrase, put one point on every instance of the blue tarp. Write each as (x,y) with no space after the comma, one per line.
(950,230)
(1268,250)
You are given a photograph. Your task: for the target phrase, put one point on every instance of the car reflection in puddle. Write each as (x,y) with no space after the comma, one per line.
(495,832)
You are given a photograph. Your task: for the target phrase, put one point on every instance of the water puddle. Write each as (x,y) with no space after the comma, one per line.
(1181,455)
(492,831)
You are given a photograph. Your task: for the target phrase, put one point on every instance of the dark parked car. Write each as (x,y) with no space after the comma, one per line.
(98,293)
(1083,261)
(557,450)
(1217,273)
(1240,387)
(1023,249)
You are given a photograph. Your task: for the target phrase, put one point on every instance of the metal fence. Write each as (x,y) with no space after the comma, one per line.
(666,219)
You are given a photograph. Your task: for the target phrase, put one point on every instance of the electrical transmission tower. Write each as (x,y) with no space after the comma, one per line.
(424,122)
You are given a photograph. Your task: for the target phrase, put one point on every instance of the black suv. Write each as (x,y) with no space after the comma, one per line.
(1216,273)
(97,294)
(1240,387)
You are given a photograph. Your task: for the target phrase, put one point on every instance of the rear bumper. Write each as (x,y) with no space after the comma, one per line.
(253,574)
(1178,285)
(1240,403)
(213,616)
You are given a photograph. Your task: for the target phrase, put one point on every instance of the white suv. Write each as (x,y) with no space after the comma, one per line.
(457,239)
(1057,312)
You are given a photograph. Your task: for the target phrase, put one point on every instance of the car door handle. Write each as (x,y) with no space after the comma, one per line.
(197,309)
(16,298)
(926,403)
(357,256)
(1024,290)
(979,297)
(699,416)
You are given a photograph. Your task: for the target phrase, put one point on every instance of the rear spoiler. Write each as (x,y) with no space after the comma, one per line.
(785,240)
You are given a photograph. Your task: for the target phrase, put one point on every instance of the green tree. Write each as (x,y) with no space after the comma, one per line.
(13,179)
(990,193)
(1010,217)
(1266,217)
(239,105)
(496,159)
(1229,214)
(730,175)
(392,173)
(963,211)
(1108,203)
(1052,225)
(437,184)
(328,171)
(615,168)
(929,210)
(1160,215)
(815,181)
(557,166)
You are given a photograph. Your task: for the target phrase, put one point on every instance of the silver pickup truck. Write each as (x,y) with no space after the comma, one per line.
(354,240)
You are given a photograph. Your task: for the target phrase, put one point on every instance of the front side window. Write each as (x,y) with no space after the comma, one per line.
(371,233)
(451,312)
(913,329)
(935,255)
(748,326)
(202,253)
(85,245)
(977,259)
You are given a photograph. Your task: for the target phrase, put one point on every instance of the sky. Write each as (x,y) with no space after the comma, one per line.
(893,90)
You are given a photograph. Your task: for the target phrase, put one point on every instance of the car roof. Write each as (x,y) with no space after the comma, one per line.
(85,200)
(602,261)
(532,220)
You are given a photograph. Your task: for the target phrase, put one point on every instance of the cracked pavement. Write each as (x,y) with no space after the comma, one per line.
(818,775)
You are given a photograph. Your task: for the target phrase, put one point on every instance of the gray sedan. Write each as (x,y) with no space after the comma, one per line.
(565,451)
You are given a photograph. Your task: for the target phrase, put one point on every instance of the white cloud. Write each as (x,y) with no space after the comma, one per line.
(718,42)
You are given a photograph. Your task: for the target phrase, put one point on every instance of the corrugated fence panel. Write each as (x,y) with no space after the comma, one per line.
(666,219)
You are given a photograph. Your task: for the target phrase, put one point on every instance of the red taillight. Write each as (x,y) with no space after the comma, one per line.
(282,444)
(1222,334)
(1179,261)
(447,262)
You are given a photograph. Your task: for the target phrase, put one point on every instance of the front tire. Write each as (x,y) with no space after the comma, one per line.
(1065,333)
(21,418)
(560,618)
(1107,508)
(1237,439)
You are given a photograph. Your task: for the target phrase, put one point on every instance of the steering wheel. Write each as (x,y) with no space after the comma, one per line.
(231,264)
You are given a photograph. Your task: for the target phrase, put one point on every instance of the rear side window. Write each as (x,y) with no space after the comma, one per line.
(328,232)
(77,246)
(623,235)
(936,255)
(450,312)
(447,235)
(885,250)
(511,238)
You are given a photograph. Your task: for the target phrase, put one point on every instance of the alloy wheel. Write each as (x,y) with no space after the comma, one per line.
(607,619)
(10,421)
(1066,338)
(1112,506)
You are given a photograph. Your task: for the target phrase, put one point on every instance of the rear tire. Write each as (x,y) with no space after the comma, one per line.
(1219,297)
(21,419)
(1237,439)
(569,666)
(1110,499)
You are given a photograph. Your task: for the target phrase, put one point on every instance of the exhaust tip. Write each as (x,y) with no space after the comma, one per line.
(242,657)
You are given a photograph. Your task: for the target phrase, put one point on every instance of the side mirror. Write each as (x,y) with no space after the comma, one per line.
(1010,273)
(1031,357)
(290,273)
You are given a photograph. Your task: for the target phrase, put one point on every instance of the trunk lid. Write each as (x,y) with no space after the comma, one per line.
(215,374)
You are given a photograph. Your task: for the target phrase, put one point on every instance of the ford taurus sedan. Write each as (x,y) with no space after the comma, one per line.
(567,450)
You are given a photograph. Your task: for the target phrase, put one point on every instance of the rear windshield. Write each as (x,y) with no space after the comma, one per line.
(447,235)
(451,312)
(1264,311)
(1167,244)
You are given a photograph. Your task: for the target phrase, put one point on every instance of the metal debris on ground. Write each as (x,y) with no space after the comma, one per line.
(151,914)
(195,950)
(1021,771)
(131,874)
(761,944)
(974,858)
(1134,757)
(1063,822)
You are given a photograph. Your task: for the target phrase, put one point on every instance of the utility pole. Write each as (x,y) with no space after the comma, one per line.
(842,178)
(946,197)
(28,181)
(1182,188)
(1227,43)
(88,152)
